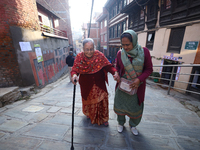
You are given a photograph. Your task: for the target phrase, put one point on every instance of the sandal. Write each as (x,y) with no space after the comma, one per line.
(106,123)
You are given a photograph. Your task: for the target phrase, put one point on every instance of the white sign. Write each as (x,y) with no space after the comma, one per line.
(25,46)
(38,54)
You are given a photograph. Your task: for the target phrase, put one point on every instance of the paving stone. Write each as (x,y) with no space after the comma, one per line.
(50,102)
(53,109)
(64,104)
(49,131)
(15,113)
(19,143)
(64,120)
(188,144)
(2,109)
(12,125)
(153,109)
(33,109)
(35,117)
(52,145)
(2,119)
(154,129)
(171,119)
(117,141)
(69,110)
(87,136)
(14,104)
(191,119)
(143,142)
(188,131)
(2,134)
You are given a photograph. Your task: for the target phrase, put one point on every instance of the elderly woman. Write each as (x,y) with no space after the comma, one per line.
(134,64)
(92,67)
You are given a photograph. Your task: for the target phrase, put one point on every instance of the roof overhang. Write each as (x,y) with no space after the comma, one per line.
(53,35)
(128,9)
(101,17)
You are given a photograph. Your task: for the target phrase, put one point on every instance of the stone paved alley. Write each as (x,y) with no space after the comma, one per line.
(44,123)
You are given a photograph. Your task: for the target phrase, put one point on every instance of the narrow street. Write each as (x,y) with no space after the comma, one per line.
(44,123)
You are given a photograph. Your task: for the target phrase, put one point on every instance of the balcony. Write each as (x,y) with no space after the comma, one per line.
(52,32)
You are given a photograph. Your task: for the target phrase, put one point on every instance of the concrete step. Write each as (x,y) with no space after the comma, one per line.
(11,94)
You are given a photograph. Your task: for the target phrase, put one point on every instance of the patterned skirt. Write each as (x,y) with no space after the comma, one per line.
(96,106)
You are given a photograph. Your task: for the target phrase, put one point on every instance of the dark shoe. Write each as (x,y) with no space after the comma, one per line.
(106,123)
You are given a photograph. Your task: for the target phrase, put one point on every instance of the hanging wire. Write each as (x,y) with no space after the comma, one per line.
(141,4)
(90,18)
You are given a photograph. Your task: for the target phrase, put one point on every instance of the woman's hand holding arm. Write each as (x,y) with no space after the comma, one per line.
(116,77)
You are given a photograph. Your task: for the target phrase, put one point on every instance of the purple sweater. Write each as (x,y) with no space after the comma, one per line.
(147,70)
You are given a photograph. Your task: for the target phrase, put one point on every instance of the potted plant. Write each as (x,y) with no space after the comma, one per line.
(157,75)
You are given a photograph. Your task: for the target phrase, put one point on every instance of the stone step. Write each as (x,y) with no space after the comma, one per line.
(9,95)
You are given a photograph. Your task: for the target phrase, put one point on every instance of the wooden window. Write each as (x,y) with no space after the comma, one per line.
(118,30)
(181,3)
(110,32)
(176,39)
(167,4)
(40,18)
(150,40)
(141,14)
(105,37)
(105,23)
(123,26)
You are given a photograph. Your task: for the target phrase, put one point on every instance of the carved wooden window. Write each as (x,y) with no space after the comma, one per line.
(123,26)
(110,33)
(141,14)
(181,3)
(115,31)
(118,30)
(167,4)
(150,40)
(176,39)
(131,21)
(151,12)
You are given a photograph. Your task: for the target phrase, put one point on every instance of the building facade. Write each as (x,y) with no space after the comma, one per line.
(32,50)
(117,24)
(169,29)
(103,31)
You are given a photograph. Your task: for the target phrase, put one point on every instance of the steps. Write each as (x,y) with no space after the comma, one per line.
(11,94)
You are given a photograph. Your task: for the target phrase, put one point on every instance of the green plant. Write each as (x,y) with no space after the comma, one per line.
(157,75)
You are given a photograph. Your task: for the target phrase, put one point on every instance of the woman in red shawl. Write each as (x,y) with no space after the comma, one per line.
(92,67)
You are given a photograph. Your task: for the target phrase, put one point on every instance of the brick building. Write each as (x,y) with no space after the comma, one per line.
(103,30)
(19,25)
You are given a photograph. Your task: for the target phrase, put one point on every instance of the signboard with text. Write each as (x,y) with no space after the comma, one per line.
(191,45)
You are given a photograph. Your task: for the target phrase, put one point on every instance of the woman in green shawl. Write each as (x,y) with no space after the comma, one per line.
(133,63)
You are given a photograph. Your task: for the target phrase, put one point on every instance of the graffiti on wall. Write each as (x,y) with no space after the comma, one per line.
(53,64)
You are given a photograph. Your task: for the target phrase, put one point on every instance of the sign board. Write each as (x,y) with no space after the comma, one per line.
(25,46)
(38,53)
(191,45)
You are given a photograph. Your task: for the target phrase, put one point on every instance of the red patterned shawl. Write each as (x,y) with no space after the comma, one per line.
(84,65)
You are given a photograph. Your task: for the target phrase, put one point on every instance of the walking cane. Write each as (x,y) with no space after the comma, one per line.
(72,146)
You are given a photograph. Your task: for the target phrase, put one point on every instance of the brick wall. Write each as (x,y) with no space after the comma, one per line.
(22,13)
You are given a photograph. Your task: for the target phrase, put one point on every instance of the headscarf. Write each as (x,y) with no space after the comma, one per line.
(134,69)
